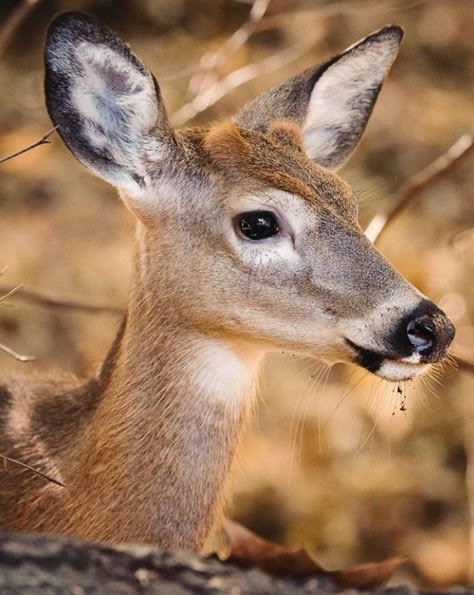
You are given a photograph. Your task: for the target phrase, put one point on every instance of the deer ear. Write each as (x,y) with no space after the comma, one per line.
(104,100)
(331,102)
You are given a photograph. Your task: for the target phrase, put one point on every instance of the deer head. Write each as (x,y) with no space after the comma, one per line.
(245,231)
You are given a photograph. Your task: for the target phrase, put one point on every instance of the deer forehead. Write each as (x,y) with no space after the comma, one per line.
(276,159)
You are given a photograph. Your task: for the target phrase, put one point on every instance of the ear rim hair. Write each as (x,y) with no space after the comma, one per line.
(118,162)
(291,99)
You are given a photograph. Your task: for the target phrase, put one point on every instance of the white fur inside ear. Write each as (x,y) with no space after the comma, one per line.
(116,100)
(342,100)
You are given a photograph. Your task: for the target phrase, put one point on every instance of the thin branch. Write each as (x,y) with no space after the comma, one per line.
(42,141)
(211,61)
(206,89)
(337,9)
(237,78)
(32,469)
(11,292)
(18,356)
(259,21)
(439,168)
(76,303)
(14,22)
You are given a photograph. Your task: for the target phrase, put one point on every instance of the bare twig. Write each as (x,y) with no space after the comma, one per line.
(336,9)
(259,21)
(14,21)
(10,292)
(211,61)
(237,78)
(18,356)
(206,89)
(62,303)
(439,168)
(42,141)
(32,469)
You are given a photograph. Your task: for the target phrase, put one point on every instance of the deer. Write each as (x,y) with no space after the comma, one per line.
(247,242)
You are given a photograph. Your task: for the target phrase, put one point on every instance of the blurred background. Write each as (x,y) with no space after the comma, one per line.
(355,468)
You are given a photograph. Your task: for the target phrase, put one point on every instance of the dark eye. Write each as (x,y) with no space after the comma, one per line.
(257,225)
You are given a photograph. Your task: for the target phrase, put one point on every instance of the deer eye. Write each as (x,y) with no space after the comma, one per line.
(257,225)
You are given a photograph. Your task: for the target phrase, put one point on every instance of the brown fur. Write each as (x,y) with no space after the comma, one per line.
(112,440)
(276,158)
(145,447)
(76,437)
(77,434)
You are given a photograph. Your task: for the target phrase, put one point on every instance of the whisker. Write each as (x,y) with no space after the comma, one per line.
(320,397)
(368,405)
(420,393)
(393,406)
(296,408)
(304,408)
(369,189)
(345,394)
(312,381)
(451,361)
(381,388)
(319,379)
(434,375)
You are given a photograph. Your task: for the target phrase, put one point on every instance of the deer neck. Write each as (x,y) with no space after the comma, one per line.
(166,431)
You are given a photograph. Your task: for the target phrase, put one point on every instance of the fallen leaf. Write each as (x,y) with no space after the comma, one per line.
(249,550)
(367,576)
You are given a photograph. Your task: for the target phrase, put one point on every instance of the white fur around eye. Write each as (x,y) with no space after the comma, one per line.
(265,253)
(277,250)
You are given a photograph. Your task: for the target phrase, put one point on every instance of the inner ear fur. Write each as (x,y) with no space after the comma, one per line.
(105,101)
(331,102)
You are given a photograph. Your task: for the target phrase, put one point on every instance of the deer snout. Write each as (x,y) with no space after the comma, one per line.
(420,338)
(427,332)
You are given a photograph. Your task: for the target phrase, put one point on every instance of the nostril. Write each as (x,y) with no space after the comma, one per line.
(421,334)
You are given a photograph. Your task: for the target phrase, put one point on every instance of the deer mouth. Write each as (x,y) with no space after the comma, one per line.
(386,366)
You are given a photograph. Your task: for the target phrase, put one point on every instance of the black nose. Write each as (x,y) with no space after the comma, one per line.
(429,332)
(421,334)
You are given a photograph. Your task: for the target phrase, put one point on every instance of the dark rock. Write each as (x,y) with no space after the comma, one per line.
(56,565)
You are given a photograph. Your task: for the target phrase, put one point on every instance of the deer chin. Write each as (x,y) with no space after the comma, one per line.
(399,370)
(386,367)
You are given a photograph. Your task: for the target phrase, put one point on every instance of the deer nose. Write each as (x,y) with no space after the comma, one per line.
(430,333)
(421,334)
